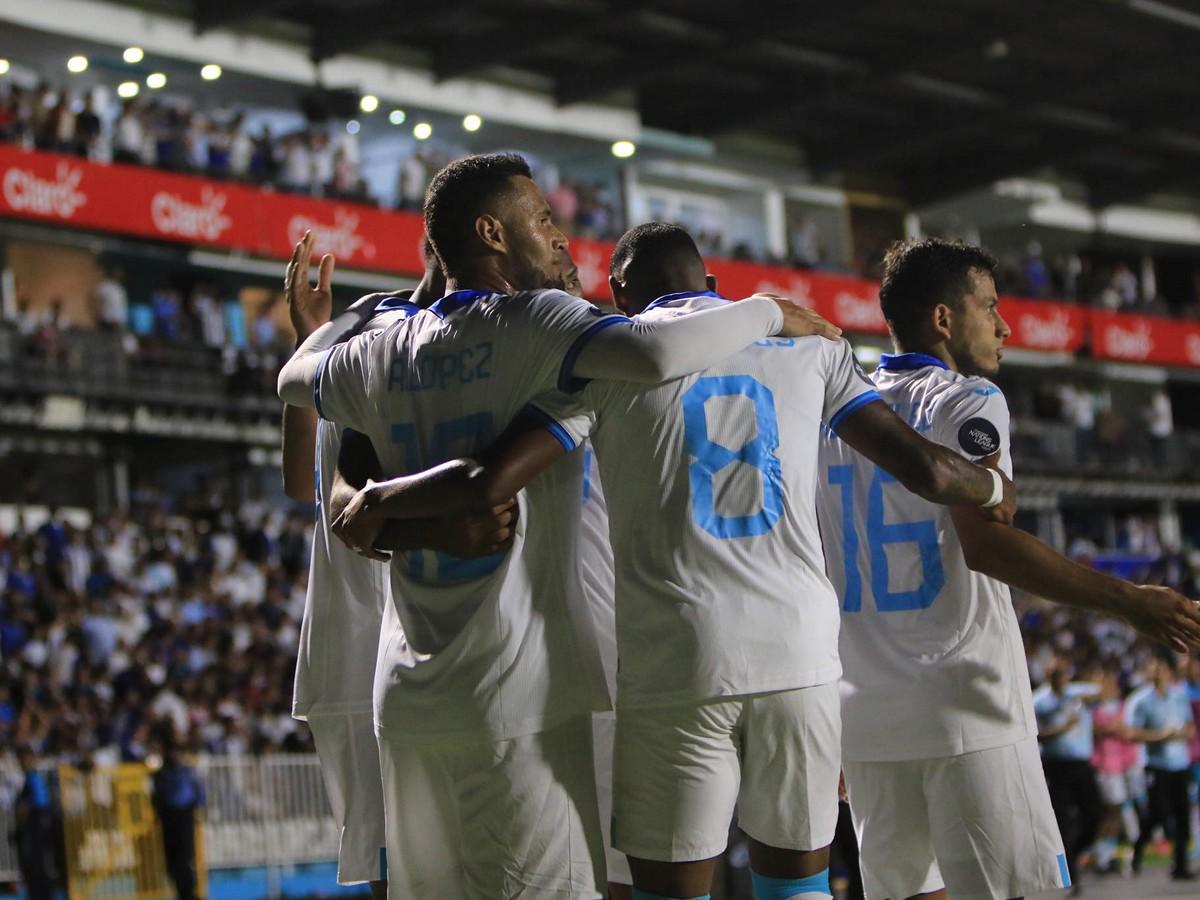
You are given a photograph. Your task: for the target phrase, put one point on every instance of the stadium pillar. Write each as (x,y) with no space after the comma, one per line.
(120,484)
(775,220)
(1169,531)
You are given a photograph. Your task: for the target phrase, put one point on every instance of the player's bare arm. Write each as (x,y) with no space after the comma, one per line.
(1052,731)
(929,470)
(310,308)
(1022,561)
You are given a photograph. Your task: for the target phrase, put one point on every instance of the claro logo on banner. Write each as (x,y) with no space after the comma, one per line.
(1132,341)
(25,192)
(341,238)
(1046,331)
(203,221)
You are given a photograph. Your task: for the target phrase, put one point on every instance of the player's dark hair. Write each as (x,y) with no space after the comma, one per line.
(459,194)
(655,243)
(918,275)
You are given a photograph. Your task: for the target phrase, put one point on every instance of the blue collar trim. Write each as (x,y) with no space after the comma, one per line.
(902,362)
(392,304)
(456,301)
(683,295)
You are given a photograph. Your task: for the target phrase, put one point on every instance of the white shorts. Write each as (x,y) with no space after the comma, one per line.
(979,824)
(604,733)
(1114,787)
(475,820)
(349,758)
(682,770)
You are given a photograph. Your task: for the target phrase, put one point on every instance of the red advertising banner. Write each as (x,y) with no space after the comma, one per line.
(149,203)
(1144,339)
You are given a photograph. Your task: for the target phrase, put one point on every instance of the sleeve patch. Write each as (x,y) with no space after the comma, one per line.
(979,437)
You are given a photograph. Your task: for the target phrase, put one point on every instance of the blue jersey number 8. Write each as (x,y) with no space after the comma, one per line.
(709,457)
(879,535)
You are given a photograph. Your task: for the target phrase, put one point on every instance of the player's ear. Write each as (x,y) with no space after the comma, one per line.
(491,231)
(942,319)
(711,282)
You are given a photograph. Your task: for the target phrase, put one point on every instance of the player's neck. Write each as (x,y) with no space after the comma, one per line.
(937,351)
(479,278)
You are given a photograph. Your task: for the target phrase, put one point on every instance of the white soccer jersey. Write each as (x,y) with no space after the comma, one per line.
(710,482)
(933,658)
(596,568)
(487,647)
(343,608)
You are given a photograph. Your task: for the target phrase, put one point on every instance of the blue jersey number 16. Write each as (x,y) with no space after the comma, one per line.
(709,457)
(923,535)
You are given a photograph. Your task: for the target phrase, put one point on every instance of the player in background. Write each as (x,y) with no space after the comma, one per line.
(1115,759)
(1160,714)
(726,623)
(1064,719)
(939,736)
(484,709)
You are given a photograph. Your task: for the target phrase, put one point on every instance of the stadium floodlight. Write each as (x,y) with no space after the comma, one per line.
(397,117)
(77,64)
(133,54)
(623,149)
(422,131)
(127,89)
(4,66)
(156,80)
(352,126)
(211,72)
(369,103)
(472,122)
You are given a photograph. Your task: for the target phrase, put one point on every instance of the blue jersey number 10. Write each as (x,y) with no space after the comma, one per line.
(880,534)
(709,457)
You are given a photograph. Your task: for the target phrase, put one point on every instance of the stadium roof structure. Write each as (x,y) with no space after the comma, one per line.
(925,99)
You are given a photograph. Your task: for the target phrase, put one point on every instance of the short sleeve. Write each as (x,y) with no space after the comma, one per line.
(569,418)
(342,383)
(558,327)
(847,387)
(973,420)
(1133,712)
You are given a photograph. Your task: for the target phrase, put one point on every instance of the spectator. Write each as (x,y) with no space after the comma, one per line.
(111,300)
(88,131)
(129,143)
(177,795)
(1160,715)
(1160,423)
(1114,760)
(35,830)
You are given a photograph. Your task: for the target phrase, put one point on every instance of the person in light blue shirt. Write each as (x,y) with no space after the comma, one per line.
(1065,735)
(1160,714)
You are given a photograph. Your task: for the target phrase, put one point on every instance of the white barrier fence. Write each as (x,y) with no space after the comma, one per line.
(261,811)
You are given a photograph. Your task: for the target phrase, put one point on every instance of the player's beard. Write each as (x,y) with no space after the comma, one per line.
(529,276)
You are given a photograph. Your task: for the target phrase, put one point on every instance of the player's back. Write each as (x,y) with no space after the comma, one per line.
(933,658)
(485,644)
(709,481)
(343,609)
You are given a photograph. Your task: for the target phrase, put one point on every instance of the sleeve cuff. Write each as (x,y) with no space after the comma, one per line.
(317,382)
(568,383)
(856,404)
(547,421)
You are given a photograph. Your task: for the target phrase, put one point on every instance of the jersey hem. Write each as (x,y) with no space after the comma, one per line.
(787,683)
(305,711)
(932,752)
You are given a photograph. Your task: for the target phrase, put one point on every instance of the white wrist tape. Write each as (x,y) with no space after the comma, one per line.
(997,490)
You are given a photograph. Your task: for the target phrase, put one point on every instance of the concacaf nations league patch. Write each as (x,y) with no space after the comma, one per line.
(979,437)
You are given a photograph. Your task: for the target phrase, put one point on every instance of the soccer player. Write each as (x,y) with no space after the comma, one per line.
(939,736)
(726,623)
(482,714)
(1065,733)
(1161,715)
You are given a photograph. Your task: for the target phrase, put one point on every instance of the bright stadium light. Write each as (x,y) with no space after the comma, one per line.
(211,72)
(4,66)
(77,64)
(623,149)
(472,122)
(369,103)
(422,131)
(397,117)
(156,80)
(352,126)
(127,89)
(133,54)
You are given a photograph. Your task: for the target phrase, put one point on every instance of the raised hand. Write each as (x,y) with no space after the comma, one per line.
(309,307)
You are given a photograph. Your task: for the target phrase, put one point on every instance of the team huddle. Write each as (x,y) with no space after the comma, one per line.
(587,582)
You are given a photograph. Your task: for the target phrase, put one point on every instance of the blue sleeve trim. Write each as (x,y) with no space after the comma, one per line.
(857,403)
(548,422)
(317,382)
(567,383)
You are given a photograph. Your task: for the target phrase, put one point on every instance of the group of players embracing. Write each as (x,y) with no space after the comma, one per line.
(586,581)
